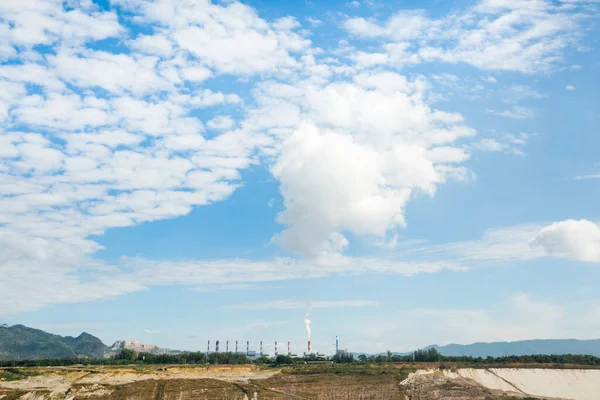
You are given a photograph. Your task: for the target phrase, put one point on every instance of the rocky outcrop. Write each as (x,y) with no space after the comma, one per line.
(140,347)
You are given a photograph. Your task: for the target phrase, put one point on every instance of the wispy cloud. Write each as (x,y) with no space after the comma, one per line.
(291,304)
(585,177)
(519,316)
(238,286)
(516,112)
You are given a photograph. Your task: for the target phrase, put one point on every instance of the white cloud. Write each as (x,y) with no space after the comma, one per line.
(195,74)
(589,176)
(113,138)
(221,123)
(516,93)
(152,331)
(507,143)
(290,304)
(59,257)
(47,22)
(402,25)
(570,88)
(516,112)
(517,37)
(403,147)
(367,60)
(520,316)
(579,240)
(490,79)
(153,44)
(242,44)
(113,72)
(44,266)
(314,21)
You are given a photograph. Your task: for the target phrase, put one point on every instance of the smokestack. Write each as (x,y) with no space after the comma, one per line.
(217,346)
(289,349)
(236,347)
(261,348)
(227,346)
(247,347)
(337,344)
(309,348)
(208,348)
(276,349)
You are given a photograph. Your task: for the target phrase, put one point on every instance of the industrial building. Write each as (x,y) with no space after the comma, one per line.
(278,350)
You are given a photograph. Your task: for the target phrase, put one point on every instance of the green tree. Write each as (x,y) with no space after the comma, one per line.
(281,359)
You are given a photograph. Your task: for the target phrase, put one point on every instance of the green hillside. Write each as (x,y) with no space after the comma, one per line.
(19,342)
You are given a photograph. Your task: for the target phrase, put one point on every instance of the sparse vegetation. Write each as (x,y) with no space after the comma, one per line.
(15,374)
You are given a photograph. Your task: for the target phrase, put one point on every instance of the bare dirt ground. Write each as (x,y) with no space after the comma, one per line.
(54,382)
(247,382)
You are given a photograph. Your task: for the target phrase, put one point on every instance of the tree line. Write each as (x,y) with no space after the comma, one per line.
(432,355)
(127,356)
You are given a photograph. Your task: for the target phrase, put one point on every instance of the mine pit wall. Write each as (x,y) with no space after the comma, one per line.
(576,384)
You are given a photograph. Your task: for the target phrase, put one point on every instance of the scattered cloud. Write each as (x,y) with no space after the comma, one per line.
(520,316)
(314,21)
(221,123)
(290,304)
(576,239)
(152,331)
(507,143)
(515,93)
(585,177)
(95,139)
(235,286)
(403,147)
(510,37)
(570,88)
(516,112)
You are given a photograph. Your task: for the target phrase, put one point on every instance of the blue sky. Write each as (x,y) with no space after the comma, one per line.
(402,173)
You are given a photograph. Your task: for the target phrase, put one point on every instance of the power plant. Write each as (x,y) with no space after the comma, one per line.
(253,354)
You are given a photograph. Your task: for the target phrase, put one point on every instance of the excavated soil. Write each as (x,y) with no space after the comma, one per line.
(323,383)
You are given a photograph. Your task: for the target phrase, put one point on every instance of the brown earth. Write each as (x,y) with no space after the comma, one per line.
(357,382)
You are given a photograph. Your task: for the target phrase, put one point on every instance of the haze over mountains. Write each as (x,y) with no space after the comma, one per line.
(522,348)
(19,342)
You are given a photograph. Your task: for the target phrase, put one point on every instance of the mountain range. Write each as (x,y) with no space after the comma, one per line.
(522,348)
(19,342)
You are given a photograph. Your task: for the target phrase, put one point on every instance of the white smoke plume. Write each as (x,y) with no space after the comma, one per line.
(307,320)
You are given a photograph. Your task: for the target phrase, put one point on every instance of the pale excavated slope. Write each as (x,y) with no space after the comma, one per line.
(576,384)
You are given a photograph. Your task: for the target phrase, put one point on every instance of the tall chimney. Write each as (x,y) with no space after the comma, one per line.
(276,349)
(309,348)
(217,346)
(236,347)
(208,348)
(337,344)
(289,349)
(247,347)
(261,348)
(227,346)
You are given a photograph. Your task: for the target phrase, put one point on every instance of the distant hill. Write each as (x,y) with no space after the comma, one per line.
(522,347)
(141,348)
(518,348)
(19,342)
